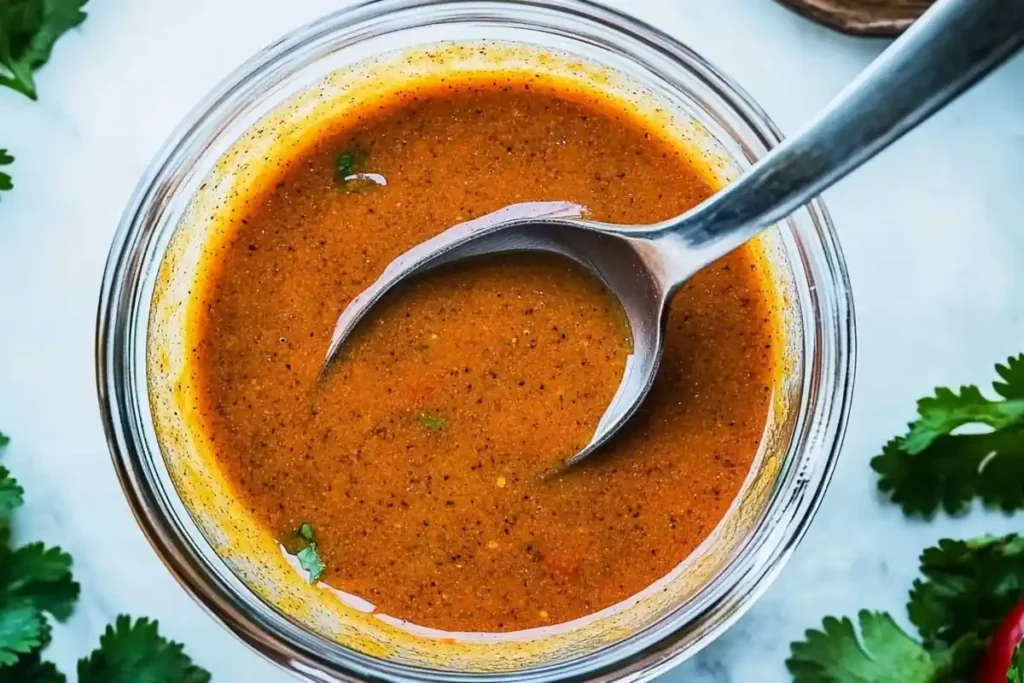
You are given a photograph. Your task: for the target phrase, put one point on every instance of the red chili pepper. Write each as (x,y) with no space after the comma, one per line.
(1004,641)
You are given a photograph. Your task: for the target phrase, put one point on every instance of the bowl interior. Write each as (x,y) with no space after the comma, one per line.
(278,102)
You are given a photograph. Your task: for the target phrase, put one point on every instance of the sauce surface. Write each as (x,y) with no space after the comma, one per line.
(418,461)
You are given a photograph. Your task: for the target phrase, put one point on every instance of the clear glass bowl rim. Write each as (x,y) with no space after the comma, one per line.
(304,654)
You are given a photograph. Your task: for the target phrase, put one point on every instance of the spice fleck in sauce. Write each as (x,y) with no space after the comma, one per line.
(418,461)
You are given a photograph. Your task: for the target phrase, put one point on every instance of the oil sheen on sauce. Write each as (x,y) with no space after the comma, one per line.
(418,461)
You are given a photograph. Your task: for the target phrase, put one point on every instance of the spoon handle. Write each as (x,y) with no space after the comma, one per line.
(950,48)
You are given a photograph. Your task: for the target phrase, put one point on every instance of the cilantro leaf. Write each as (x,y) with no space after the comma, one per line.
(1012,386)
(28,31)
(135,652)
(968,588)
(5,184)
(433,422)
(1016,672)
(36,580)
(23,628)
(41,577)
(931,467)
(883,653)
(947,410)
(11,493)
(31,668)
(953,471)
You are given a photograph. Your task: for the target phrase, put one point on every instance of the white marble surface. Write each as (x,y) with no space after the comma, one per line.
(933,232)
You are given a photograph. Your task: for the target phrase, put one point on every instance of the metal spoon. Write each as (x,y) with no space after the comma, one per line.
(951,47)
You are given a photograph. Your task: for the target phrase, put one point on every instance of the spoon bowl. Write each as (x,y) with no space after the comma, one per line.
(950,48)
(627,266)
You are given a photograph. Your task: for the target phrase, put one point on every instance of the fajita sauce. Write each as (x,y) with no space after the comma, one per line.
(418,461)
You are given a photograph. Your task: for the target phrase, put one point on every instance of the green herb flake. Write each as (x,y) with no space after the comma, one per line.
(432,422)
(349,163)
(349,169)
(309,559)
(303,547)
(28,31)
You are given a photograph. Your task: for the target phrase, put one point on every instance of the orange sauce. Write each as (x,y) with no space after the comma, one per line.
(418,461)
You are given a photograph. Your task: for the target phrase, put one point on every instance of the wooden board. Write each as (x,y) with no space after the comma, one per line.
(862,17)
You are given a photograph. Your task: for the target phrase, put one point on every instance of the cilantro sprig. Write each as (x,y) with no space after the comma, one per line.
(28,31)
(966,590)
(37,586)
(937,465)
(970,595)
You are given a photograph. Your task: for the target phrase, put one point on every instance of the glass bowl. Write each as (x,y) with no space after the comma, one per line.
(206,538)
